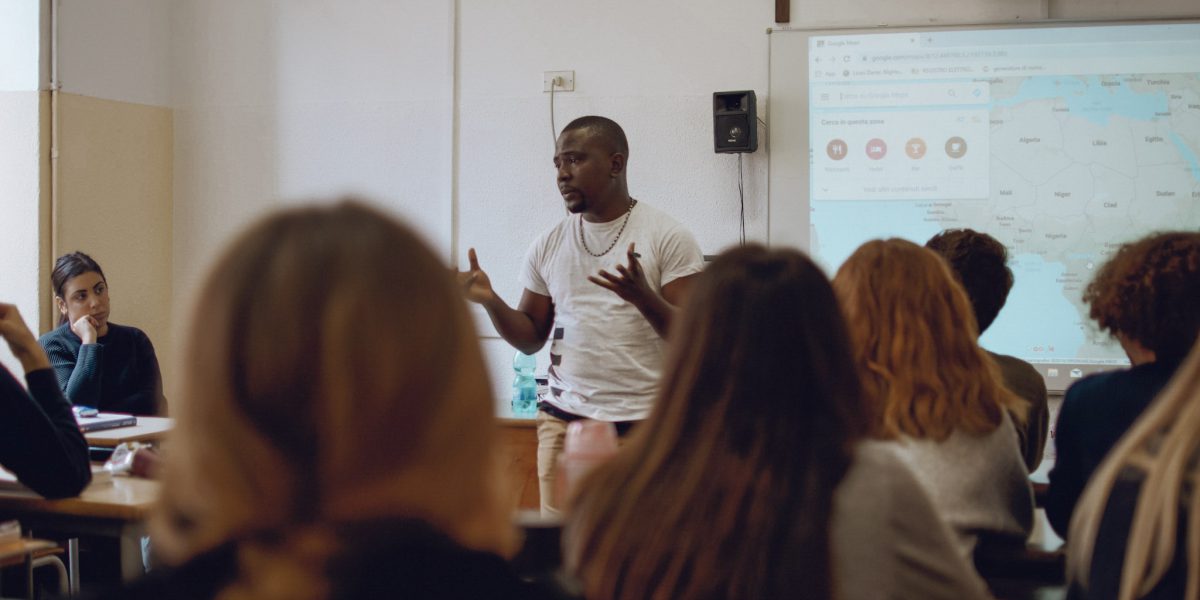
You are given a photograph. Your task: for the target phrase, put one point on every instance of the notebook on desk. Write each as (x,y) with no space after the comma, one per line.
(102,421)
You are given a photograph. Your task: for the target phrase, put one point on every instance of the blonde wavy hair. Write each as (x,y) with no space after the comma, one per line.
(332,376)
(915,343)
(1164,449)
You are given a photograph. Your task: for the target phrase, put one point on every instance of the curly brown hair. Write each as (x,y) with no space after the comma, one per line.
(1149,292)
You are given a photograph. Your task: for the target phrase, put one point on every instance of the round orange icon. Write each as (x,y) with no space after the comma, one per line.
(836,149)
(956,147)
(915,148)
(876,149)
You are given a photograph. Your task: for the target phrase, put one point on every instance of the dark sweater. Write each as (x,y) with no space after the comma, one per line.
(381,559)
(1024,380)
(1095,413)
(1108,552)
(119,373)
(39,439)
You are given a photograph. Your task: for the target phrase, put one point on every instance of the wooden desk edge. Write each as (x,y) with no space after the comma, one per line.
(121,499)
(518,423)
(24,546)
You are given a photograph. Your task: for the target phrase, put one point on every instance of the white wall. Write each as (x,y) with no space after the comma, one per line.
(1122,9)
(293,100)
(285,100)
(21,107)
(115,49)
(866,13)
(20,208)
(20,49)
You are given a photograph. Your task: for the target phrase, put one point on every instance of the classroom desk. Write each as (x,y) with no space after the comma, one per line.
(22,551)
(148,429)
(115,507)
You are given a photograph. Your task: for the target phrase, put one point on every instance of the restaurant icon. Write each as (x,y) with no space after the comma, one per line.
(836,149)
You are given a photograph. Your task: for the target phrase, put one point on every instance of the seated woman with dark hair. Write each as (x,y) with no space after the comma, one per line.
(39,439)
(932,387)
(753,476)
(1148,297)
(326,447)
(1136,532)
(98,363)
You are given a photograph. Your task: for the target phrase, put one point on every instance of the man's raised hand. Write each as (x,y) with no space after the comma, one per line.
(20,339)
(475,284)
(630,281)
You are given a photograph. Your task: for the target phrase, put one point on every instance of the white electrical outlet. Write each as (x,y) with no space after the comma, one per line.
(565,81)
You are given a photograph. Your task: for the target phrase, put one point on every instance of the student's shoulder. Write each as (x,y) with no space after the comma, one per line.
(127,332)
(880,472)
(58,338)
(1095,389)
(652,216)
(553,235)
(667,233)
(1012,366)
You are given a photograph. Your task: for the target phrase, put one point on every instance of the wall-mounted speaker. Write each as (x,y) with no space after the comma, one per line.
(735,122)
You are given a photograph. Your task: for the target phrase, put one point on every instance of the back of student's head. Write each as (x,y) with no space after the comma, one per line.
(915,343)
(1160,458)
(332,376)
(980,262)
(1148,292)
(725,491)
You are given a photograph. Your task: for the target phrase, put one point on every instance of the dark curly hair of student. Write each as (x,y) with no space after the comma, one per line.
(1149,292)
(980,263)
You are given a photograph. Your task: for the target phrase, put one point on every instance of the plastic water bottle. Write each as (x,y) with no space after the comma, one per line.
(524,387)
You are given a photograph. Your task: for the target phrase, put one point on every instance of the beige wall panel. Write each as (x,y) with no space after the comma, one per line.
(115,178)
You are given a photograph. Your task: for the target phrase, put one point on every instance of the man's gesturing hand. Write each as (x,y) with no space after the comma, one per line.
(630,281)
(475,284)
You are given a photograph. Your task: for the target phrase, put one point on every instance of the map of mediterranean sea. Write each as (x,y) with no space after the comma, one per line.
(1077,166)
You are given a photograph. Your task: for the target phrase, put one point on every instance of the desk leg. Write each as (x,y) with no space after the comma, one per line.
(73,566)
(29,575)
(132,565)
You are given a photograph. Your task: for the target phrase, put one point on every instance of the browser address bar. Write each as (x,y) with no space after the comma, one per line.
(900,94)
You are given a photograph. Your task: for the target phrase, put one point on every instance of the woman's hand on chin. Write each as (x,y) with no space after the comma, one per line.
(86,328)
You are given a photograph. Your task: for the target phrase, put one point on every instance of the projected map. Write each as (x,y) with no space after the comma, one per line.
(1027,139)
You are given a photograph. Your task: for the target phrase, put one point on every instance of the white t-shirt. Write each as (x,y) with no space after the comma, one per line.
(605,358)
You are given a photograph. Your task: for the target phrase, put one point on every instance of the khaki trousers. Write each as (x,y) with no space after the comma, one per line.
(551,431)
